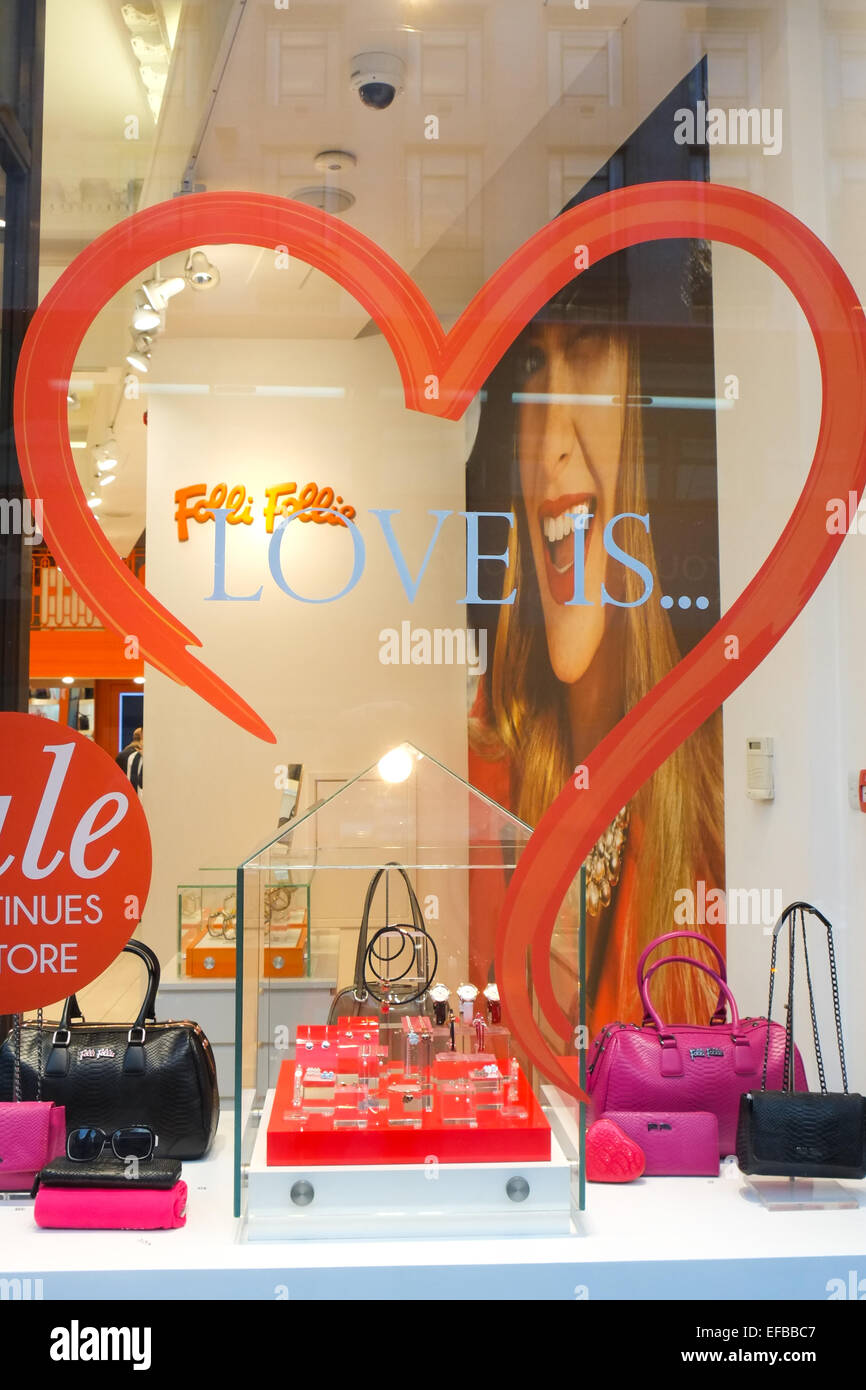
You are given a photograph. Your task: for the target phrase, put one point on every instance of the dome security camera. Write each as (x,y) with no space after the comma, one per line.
(378,78)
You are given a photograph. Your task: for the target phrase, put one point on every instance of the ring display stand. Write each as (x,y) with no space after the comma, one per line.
(803,1194)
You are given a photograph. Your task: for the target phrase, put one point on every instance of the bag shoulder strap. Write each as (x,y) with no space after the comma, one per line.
(147,1012)
(417,920)
(789,917)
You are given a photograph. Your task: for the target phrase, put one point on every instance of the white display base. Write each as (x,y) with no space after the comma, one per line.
(659,1239)
(404,1199)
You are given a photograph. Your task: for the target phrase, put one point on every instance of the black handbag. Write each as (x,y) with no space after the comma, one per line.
(111,1075)
(394,968)
(803,1134)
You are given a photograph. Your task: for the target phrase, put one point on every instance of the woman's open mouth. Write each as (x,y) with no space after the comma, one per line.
(558,519)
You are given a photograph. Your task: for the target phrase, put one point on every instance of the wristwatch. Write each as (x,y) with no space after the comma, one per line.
(467,994)
(491,994)
(440,994)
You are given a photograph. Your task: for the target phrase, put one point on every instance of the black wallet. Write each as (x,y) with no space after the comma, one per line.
(108,1171)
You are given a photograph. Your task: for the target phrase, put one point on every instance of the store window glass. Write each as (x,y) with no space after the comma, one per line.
(438,521)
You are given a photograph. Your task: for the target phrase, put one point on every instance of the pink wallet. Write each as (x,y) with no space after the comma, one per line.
(676,1144)
(111,1208)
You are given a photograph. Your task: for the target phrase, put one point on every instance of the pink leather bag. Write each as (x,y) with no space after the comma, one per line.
(657,1066)
(32,1132)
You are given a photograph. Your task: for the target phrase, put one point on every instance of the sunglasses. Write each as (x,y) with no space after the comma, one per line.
(85,1145)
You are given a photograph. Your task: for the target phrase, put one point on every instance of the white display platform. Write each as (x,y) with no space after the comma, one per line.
(405,1199)
(661,1238)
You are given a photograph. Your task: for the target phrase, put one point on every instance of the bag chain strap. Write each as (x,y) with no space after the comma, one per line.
(16,1056)
(788,1058)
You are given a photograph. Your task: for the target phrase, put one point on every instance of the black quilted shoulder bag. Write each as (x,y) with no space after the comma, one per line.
(112,1075)
(803,1134)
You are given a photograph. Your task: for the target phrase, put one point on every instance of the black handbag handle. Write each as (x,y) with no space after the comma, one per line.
(147,1012)
(360,987)
(789,916)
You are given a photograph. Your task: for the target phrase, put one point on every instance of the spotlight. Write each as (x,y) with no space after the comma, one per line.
(68,680)
(200,273)
(144,317)
(106,456)
(140,356)
(396,765)
(107,478)
(158,292)
(94,502)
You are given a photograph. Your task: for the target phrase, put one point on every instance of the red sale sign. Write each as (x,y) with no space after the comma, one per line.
(75,861)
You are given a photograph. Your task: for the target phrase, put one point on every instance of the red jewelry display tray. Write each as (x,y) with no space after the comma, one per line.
(398,1133)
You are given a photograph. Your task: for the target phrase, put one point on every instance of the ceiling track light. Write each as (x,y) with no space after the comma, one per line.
(200,273)
(158,292)
(144,317)
(106,456)
(139,358)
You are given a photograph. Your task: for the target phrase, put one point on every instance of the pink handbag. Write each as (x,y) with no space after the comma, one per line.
(32,1132)
(656,1066)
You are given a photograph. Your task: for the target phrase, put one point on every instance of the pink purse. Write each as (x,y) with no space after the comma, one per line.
(681,1144)
(133,1208)
(32,1132)
(656,1066)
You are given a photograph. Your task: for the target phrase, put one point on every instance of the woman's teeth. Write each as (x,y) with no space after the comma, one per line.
(556,528)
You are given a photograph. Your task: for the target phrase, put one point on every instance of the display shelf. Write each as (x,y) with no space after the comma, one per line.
(426,1197)
(660,1239)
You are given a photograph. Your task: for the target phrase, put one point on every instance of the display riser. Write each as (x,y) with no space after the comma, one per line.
(405,1200)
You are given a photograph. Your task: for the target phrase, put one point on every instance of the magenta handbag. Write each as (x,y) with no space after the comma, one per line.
(676,1144)
(659,1066)
(32,1132)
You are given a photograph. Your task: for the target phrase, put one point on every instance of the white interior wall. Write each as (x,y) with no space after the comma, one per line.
(808,693)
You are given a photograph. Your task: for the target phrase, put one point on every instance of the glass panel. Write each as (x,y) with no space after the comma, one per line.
(422,1047)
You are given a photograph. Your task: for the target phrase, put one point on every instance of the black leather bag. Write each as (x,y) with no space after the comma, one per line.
(803,1134)
(395,967)
(111,1075)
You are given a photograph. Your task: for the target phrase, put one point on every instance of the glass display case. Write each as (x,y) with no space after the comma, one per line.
(207,929)
(351,1102)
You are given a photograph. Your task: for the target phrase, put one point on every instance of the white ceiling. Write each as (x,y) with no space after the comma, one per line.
(254,93)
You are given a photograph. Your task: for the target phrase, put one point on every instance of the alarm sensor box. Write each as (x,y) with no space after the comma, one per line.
(759,769)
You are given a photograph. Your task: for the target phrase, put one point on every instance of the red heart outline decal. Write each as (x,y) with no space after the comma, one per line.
(461,361)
